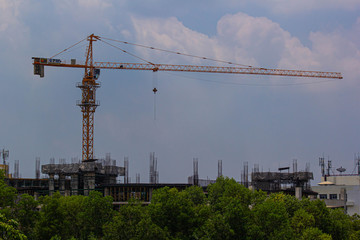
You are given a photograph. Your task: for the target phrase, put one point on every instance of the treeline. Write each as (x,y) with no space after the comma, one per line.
(228,211)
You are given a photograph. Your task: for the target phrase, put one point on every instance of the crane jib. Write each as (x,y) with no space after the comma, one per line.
(191,68)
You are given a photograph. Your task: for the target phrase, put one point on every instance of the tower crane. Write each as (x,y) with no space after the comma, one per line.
(89,83)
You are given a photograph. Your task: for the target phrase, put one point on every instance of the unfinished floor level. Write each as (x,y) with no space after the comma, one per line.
(80,178)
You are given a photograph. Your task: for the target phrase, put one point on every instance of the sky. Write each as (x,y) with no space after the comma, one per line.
(269,121)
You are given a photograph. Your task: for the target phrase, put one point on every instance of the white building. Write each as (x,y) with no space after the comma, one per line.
(340,191)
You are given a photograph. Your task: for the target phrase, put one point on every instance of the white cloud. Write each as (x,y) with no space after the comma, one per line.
(336,51)
(14,33)
(83,7)
(254,41)
(240,38)
(170,34)
(300,6)
(10,25)
(95,4)
(258,38)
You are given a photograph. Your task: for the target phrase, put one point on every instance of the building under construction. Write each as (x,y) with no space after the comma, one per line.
(295,183)
(81,177)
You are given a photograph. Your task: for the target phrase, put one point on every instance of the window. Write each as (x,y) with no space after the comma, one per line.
(323,196)
(333,196)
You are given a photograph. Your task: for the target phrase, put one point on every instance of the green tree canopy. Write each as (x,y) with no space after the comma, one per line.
(7,194)
(8,229)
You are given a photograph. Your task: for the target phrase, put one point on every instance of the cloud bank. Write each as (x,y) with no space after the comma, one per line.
(255,41)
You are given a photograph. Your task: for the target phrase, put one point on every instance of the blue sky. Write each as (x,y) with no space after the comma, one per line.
(260,120)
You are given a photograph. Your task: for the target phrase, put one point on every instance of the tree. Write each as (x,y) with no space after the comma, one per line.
(124,223)
(355,222)
(72,208)
(321,213)
(26,213)
(314,234)
(97,211)
(174,211)
(301,221)
(7,196)
(215,227)
(355,235)
(340,224)
(51,217)
(271,219)
(228,188)
(8,229)
(147,229)
(292,204)
(75,216)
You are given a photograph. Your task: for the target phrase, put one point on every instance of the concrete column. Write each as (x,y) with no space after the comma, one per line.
(150,194)
(74,184)
(343,197)
(62,184)
(106,192)
(89,182)
(36,196)
(51,184)
(111,179)
(298,192)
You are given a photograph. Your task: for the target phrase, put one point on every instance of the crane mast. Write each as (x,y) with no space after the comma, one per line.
(89,85)
(88,102)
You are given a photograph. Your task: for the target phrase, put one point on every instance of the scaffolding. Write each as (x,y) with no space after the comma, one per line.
(281,181)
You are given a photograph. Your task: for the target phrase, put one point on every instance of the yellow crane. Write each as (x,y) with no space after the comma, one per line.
(89,83)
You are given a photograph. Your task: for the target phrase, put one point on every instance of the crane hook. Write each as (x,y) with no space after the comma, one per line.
(155,90)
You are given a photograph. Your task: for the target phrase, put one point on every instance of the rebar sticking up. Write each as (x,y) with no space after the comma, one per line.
(154,174)
(126,166)
(219,168)
(196,171)
(37,168)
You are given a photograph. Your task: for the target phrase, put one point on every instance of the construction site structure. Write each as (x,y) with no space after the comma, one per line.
(5,169)
(5,165)
(245,175)
(37,168)
(80,178)
(126,166)
(295,183)
(220,168)
(89,84)
(16,169)
(201,182)
(153,173)
(32,186)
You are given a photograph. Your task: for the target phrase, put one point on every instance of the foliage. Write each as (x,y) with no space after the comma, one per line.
(8,229)
(75,216)
(272,218)
(340,225)
(7,194)
(216,227)
(26,213)
(173,211)
(301,221)
(226,188)
(51,218)
(124,223)
(321,213)
(228,211)
(314,234)
(97,211)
